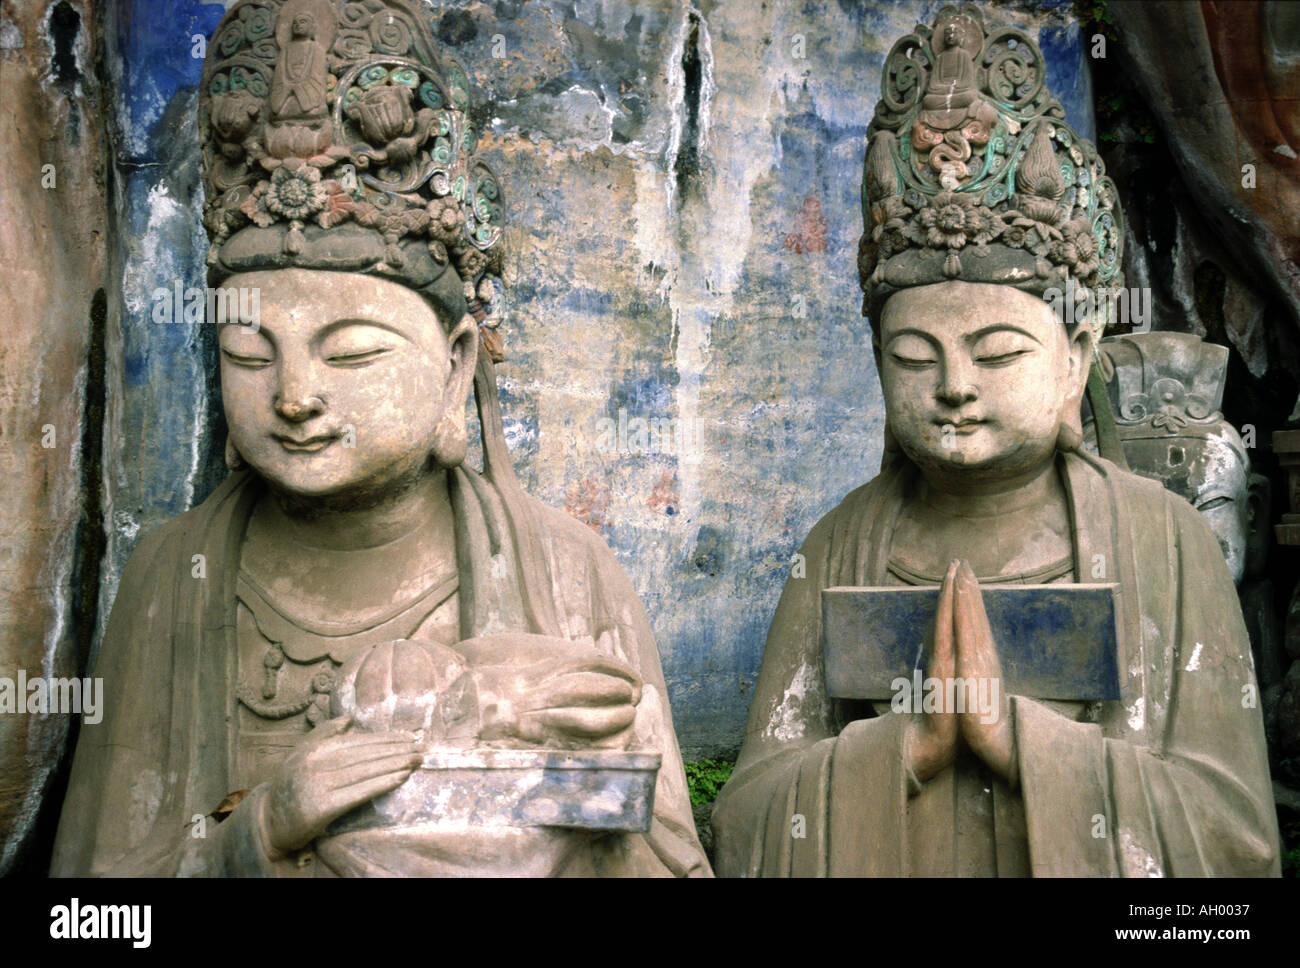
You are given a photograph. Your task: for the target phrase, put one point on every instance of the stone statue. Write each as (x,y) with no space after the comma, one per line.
(983,482)
(1166,389)
(359,656)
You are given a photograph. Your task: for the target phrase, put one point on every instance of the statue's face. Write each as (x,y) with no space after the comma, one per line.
(977,377)
(338,391)
(1209,472)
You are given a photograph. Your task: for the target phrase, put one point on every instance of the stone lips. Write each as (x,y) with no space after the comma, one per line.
(609,790)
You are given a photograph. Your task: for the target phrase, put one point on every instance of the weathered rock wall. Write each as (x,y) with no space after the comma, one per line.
(52,301)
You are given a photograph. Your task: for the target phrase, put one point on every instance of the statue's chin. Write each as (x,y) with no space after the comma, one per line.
(355,496)
(978,465)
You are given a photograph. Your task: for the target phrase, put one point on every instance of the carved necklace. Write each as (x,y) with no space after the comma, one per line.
(1037,576)
(305,642)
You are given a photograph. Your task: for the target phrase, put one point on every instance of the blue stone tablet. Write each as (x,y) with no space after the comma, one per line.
(1054,641)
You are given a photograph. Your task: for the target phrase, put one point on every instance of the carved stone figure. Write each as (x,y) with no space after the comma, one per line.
(360,656)
(984,482)
(298,85)
(954,120)
(1282,699)
(1165,389)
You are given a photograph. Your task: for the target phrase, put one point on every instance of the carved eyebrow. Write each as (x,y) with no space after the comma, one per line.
(998,327)
(262,330)
(909,331)
(331,328)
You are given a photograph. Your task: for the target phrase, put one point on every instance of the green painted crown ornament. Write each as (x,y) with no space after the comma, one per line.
(972,173)
(336,136)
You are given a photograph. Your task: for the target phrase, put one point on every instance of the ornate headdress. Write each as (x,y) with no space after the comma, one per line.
(971,172)
(1168,385)
(335,137)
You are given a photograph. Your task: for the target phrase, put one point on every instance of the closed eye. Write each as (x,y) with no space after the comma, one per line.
(911,363)
(364,358)
(1214,502)
(252,362)
(1001,359)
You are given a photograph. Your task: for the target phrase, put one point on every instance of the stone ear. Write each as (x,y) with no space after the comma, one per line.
(1070,434)
(1259,500)
(450,439)
(466,333)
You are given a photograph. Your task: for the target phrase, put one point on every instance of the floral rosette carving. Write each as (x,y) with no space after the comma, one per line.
(319,112)
(950,221)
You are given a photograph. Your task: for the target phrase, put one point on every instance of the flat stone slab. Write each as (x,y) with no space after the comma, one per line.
(1054,641)
(586,790)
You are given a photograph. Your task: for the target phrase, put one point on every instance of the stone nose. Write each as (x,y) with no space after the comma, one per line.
(955,386)
(298,407)
(955,396)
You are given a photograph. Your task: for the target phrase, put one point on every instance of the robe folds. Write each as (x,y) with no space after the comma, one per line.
(1170,780)
(165,751)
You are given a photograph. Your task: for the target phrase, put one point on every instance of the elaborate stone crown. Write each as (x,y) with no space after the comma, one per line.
(971,172)
(334,136)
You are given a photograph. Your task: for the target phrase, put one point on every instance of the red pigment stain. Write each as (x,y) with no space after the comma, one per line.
(588,501)
(664,496)
(808,233)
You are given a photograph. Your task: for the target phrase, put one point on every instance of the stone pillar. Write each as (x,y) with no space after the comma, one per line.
(52,245)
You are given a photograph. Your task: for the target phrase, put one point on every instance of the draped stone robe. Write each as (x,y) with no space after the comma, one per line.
(165,749)
(1170,780)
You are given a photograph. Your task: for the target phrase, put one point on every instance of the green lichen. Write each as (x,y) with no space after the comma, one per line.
(705,778)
